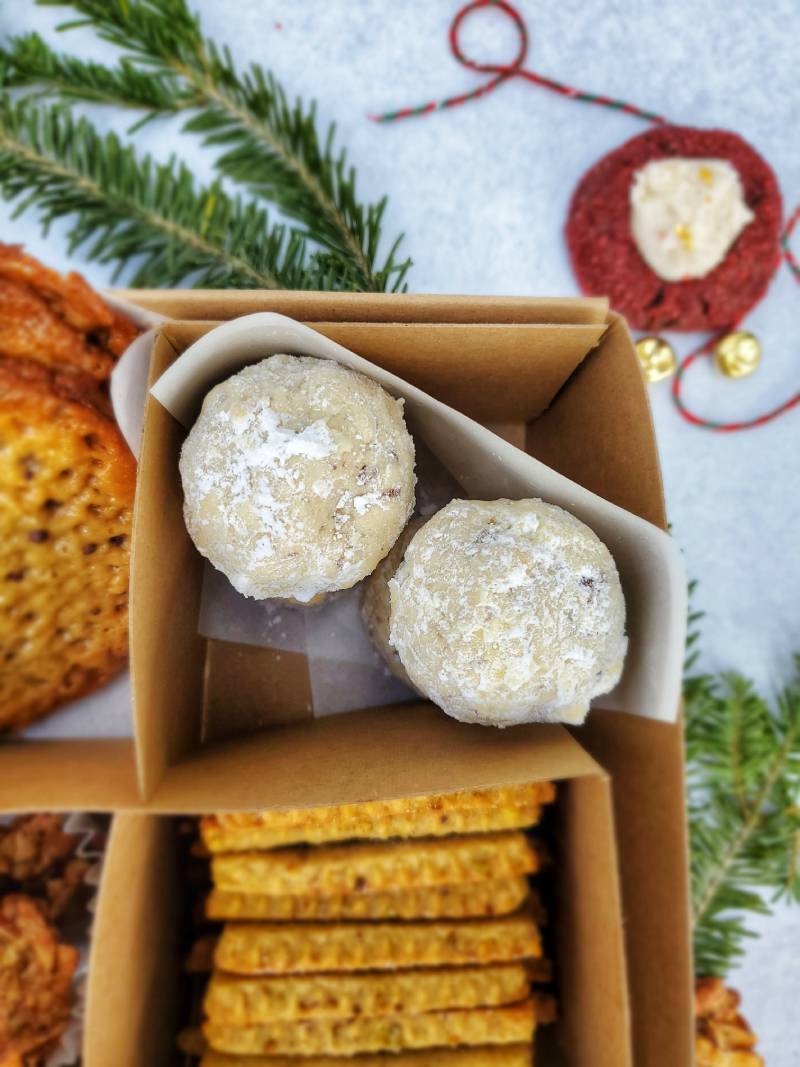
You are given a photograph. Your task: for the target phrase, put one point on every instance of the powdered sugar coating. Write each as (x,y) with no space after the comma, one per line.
(298,477)
(508,611)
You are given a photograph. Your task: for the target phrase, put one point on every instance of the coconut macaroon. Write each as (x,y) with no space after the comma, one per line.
(508,611)
(298,477)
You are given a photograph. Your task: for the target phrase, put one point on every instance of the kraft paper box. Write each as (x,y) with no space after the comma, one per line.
(557,378)
(597,430)
(137,995)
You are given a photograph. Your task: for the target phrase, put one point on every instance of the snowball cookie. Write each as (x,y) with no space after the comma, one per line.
(375,606)
(298,477)
(508,611)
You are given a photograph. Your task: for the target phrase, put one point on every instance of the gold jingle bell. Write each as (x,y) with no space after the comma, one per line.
(657,358)
(737,354)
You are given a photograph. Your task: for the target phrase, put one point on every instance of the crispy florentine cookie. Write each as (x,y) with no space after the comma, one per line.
(707,1054)
(31,845)
(56,891)
(248,1001)
(724,1038)
(59,321)
(66,492)
(37,859)
(35,983)
(488,1056)
(283,948)
(388,1033)
(475,811)
(496,897)
(376,867)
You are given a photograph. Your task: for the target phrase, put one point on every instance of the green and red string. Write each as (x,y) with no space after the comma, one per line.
(503,72)
(707,349)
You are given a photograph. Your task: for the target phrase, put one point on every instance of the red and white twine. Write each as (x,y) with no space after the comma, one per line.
(502,72)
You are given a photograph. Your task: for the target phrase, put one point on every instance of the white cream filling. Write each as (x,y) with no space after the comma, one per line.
(686,214)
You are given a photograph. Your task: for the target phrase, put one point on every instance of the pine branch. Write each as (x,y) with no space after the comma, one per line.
(271,146)
(130,210)
(744,785)
(30,62)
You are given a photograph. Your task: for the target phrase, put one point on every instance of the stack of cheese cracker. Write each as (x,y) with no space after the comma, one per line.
(403,926)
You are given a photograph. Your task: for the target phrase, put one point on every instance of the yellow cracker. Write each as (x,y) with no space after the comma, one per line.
(282,948)
(253,836)
(248,1001)
(484,810)
(201,959)
(433,902)
(477,811)
(389,1033)
(374,868)
(487,1056)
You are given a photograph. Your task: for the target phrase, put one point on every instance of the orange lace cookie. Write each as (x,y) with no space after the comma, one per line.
(723,1037)
(37,858)
(34,844)
(66,492)
(35,983)
(59,321)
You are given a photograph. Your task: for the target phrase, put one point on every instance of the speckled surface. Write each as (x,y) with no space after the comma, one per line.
(481,193)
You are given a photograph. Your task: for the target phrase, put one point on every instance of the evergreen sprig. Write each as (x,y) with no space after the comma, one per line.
(270,146)
(127,208)
(743,760)
(31,62)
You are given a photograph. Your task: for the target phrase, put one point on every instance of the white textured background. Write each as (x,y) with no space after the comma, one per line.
(481,194)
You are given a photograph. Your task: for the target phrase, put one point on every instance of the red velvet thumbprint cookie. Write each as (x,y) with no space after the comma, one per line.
(679,227)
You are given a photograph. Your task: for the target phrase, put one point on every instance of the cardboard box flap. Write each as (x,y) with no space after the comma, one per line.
(587,918)
(309,307)
(163,629)
(67,775)
(650,566)
(136,986)
(645,761)
(408,750)
(538,358)
(644,758)
(610,449)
